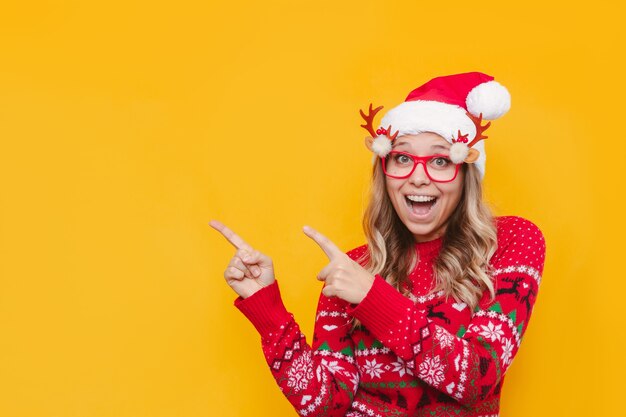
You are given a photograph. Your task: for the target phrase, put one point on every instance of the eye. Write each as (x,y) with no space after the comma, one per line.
(401,159)
(440,162)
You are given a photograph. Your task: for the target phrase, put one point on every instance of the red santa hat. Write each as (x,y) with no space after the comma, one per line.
(452,106)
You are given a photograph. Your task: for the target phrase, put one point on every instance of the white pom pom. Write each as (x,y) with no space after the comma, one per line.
(381,145)
(458,152)
(491,99)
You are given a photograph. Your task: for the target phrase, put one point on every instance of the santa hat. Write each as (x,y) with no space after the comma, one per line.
(452,106)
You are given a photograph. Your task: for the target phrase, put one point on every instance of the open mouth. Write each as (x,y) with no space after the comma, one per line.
(420,205)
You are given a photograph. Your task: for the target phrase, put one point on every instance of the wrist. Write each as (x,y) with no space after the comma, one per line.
(265,309)
(249,293)
(368,283)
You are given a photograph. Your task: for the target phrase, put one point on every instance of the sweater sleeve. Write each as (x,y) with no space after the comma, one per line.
(318,379)
(468,365)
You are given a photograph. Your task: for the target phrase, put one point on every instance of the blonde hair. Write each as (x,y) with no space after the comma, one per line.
(461,268)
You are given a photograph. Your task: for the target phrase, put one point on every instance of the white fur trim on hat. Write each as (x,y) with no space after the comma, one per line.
(491,99)
(413,117)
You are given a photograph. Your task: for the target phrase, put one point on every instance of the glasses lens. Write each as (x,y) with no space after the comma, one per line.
(441,169)
(400,165)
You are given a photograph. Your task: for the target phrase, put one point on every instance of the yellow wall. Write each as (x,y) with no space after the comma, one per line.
(125,127)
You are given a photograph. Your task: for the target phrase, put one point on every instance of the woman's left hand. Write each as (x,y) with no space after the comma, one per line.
(344,277)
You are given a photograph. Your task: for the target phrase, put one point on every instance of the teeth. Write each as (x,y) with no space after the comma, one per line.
(420,198)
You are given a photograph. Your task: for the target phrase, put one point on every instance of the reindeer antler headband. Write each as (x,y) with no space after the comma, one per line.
(380,145)
(452,106)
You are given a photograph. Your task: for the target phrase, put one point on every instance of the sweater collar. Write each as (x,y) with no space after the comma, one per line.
(429,249)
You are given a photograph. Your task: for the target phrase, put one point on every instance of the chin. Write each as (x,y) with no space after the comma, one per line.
(424,233)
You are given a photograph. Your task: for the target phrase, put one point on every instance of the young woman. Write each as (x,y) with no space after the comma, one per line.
(426,318)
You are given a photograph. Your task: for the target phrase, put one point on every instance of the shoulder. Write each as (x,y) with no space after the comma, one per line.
(520,239)
(516,228)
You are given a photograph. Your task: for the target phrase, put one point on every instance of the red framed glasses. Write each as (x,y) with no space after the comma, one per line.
(438,168)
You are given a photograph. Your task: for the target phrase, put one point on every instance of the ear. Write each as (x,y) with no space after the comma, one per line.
(472,156)
(368,143)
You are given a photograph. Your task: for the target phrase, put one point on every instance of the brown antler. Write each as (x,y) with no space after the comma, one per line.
(369,119)
(480,129)
(392,137)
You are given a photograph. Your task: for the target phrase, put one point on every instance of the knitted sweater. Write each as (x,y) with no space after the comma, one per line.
(420,355)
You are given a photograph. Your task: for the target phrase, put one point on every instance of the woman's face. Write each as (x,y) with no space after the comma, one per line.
(426,221)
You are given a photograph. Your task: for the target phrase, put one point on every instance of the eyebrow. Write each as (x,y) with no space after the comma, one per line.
(432,147)
(400,144)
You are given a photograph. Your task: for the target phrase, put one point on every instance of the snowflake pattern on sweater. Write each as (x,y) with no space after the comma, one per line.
(420,355)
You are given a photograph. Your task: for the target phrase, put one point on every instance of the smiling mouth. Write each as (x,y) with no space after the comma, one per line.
(420,205)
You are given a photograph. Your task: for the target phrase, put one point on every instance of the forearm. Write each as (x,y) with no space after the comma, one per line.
(467,366)
(314,381)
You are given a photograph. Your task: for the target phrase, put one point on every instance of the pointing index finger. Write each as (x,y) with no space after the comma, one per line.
(231,236)
(330,249)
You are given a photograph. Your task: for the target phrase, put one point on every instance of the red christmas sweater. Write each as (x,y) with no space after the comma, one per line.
(414,356)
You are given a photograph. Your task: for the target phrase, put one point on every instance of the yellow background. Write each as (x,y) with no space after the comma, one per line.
(126,126)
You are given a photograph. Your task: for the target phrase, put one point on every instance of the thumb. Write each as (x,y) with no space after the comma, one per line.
(257,258)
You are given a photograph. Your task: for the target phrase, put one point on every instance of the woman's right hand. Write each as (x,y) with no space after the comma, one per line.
(249,270)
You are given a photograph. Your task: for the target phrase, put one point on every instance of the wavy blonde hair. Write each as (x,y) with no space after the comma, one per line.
(461,269)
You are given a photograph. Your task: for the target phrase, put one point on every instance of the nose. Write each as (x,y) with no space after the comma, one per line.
(419,175)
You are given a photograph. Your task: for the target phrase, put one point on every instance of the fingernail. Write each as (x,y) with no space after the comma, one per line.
(256,272)
(247,258)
